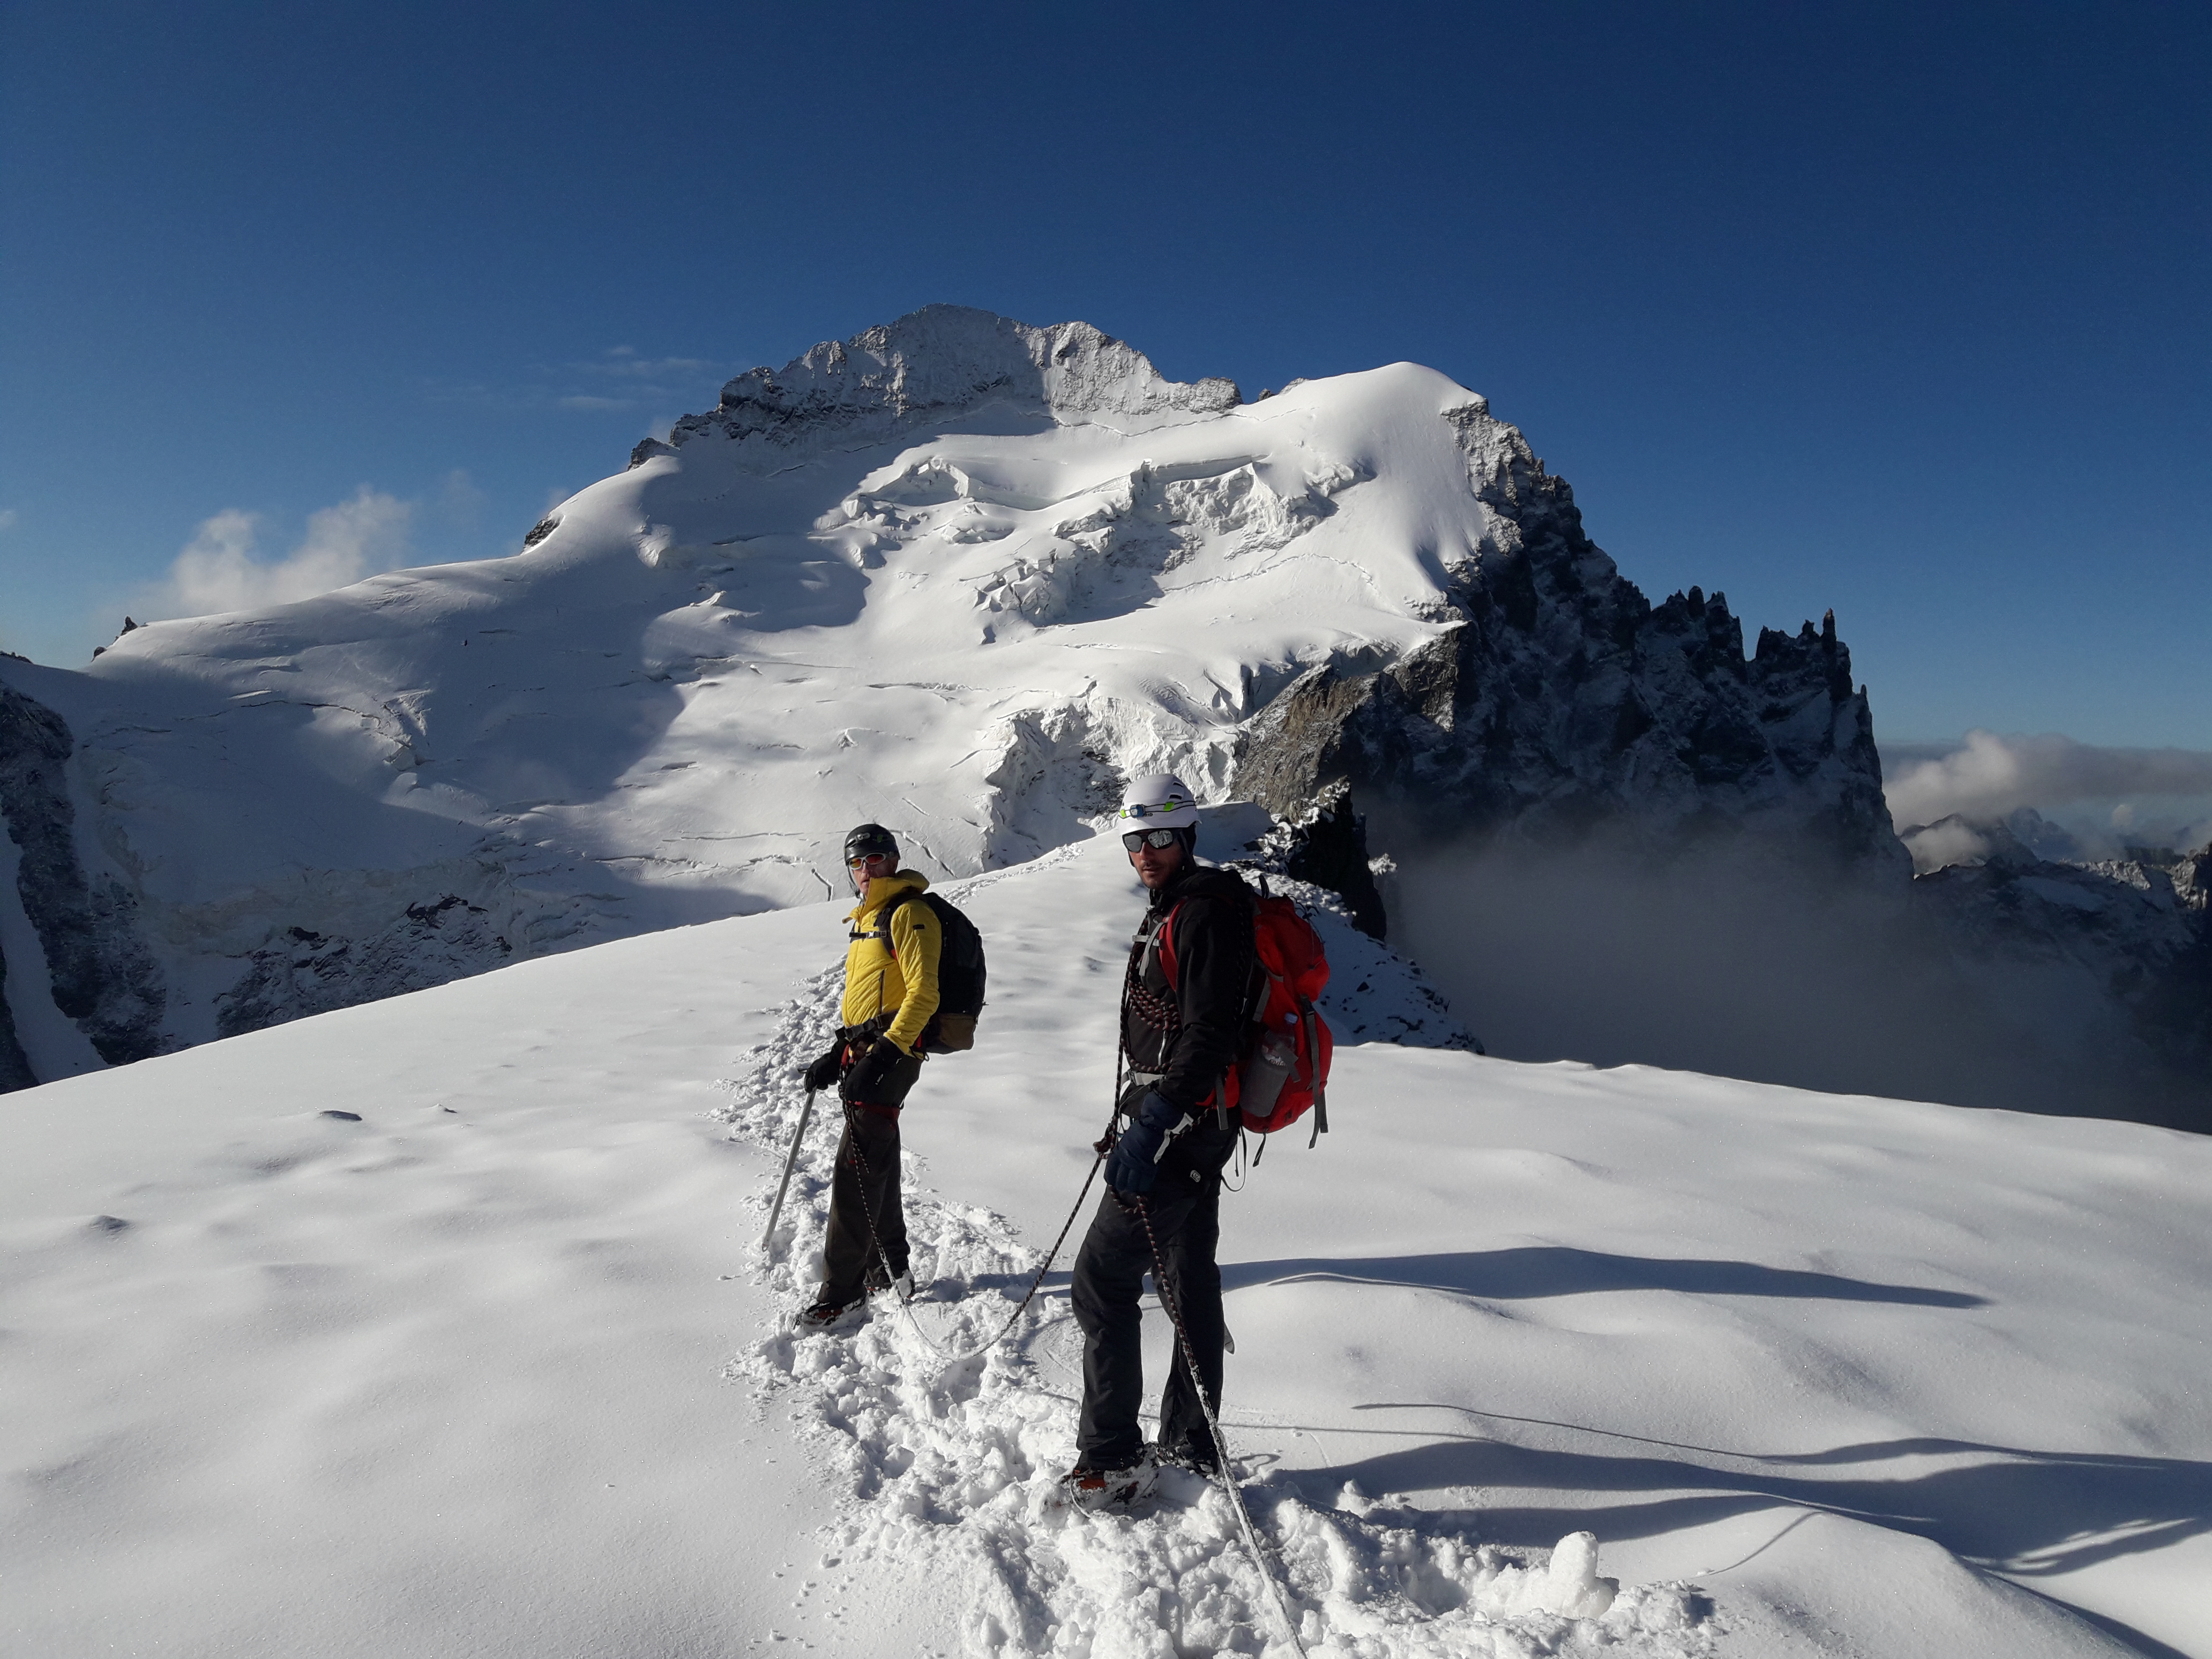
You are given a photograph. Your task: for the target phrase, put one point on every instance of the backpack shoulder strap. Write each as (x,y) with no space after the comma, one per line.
(1161,944)
(882,930)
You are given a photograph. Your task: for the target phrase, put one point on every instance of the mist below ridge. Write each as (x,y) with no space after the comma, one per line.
(1725,961)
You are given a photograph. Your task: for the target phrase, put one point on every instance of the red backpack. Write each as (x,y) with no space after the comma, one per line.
(1282,1065)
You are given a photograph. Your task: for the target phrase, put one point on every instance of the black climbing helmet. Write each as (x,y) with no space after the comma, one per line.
(870,840)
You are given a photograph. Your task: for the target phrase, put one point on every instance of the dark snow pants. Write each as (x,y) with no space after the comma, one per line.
(1184,1207)
(867,1183)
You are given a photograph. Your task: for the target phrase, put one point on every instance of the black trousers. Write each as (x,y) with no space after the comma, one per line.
(855,1194)
(865,1185)
(1184,1208)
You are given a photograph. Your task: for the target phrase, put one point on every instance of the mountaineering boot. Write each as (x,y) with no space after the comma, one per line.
(1202,1464)
(881,1278)
(1092,1489)
(826,1315)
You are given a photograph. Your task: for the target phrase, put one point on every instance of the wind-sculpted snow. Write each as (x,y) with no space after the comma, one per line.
(953,1462)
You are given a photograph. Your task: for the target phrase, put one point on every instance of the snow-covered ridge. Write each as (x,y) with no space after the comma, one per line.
(442,1326)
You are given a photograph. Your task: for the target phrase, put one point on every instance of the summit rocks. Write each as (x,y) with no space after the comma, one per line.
(1558,700)
(939,363)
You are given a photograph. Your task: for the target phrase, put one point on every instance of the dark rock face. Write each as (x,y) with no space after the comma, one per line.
(1327,845)
(104,978)
(310,973)
(1564,700)
(15,1064)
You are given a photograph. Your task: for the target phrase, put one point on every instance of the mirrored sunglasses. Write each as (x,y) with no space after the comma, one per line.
(1135,838)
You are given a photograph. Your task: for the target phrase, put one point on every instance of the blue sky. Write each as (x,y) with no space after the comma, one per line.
(1903,310)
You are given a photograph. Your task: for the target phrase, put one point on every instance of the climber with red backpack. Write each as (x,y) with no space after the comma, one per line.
(1205,1042)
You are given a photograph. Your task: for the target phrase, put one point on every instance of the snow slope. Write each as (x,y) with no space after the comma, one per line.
(496,1368)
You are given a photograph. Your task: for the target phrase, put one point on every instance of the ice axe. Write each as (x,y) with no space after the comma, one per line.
(790,1159)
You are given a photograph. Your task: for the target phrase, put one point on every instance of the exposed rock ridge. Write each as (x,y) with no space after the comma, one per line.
(937,362)
(104,978)
(1327,846)
(305,972)
(1564,699)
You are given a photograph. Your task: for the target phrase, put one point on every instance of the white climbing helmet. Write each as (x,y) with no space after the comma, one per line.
(1157,801)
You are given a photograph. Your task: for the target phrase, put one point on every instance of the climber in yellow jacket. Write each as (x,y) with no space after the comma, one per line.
(890,992)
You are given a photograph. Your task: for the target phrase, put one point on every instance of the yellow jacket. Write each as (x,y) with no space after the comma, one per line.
(900,974)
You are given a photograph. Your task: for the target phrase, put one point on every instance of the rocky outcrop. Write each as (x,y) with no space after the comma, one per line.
(104,978)
(307,972)
(940,362)
(1327,845)
(1561,700)
(15,1064)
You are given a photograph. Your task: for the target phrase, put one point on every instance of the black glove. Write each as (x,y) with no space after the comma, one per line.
(823,1073)
(870,1069)
(1136,1155)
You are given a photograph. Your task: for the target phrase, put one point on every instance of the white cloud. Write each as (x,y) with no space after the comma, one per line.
(7,518)
(622,363)
(1989,776)
(1945,842)
(459,501)
(617,381)
(217,572)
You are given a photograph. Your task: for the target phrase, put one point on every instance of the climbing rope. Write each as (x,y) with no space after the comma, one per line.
(1213,1427)
(864,1168)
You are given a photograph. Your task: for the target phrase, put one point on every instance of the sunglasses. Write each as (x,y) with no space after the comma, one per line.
(863,863)
(1159,838)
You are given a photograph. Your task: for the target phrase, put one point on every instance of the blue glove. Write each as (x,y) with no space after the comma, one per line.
(1137,1153)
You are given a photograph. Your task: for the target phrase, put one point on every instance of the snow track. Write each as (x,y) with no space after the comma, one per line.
(953,1467)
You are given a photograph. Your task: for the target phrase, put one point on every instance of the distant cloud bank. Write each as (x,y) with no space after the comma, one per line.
(1989,776)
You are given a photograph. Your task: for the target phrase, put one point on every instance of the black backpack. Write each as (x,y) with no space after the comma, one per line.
(960,973)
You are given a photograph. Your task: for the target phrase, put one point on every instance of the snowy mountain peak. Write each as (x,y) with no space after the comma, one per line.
(945,360)
(955,574)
